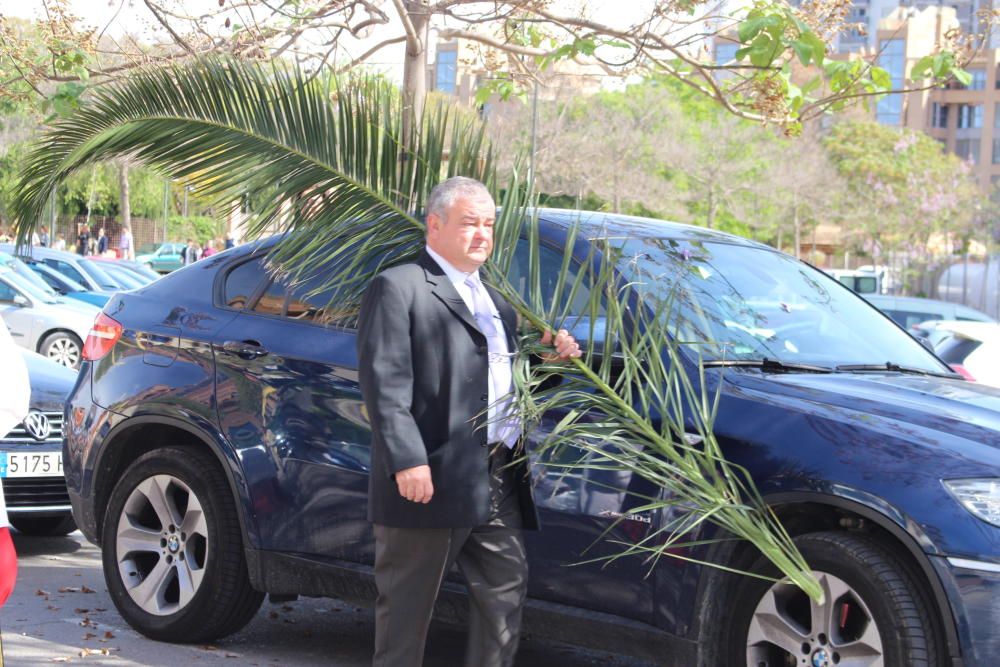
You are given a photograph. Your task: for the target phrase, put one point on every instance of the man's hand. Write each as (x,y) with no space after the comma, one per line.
(415,484)
(566,346)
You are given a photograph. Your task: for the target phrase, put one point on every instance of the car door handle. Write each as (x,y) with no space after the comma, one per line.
(245,349)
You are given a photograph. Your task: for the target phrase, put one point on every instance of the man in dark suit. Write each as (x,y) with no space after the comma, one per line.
(434,347)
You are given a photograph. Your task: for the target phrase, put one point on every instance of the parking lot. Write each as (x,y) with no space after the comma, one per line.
(60,612)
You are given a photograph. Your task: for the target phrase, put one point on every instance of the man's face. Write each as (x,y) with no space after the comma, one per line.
(464,234)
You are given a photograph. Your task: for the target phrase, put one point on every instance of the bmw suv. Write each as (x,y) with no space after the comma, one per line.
(217,449)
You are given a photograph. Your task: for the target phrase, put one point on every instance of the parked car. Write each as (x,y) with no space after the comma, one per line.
(862,282)
(142,271)
(165,258)
(127,279)
(971,348)
(67,287)
(34,487)
(52,326)
(218,450)
(908,311)
(80,269)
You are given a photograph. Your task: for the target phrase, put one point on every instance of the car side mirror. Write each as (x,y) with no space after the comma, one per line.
(20,301)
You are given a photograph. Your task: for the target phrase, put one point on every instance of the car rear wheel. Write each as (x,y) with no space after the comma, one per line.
(43,526)
(63,348)
(173,550)
(873,613)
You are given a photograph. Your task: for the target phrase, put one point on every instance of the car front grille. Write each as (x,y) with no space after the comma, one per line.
(35,492)
(25,432)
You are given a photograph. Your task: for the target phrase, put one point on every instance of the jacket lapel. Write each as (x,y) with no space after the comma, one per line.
(445,291)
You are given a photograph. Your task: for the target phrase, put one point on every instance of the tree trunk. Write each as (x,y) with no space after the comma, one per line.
(415,65)
(126,202)
(710,217)
(797,226)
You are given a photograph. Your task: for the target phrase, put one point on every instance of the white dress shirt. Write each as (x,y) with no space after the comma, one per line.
(501,374)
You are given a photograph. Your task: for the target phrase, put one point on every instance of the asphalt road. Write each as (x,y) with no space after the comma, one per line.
(60,612)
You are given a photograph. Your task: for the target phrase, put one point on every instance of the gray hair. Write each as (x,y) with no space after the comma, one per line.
(446,192)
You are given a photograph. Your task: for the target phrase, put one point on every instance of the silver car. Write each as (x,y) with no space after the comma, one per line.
(51,326)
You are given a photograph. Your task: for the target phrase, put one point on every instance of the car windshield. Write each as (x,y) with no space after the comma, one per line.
(51,275)
(752,303)
(27,275)
(123,276)
(31,291)
(98,275)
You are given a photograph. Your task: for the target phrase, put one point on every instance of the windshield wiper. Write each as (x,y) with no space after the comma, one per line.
(894,368)
(768,365)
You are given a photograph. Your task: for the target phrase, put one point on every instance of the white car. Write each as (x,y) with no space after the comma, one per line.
(971,348)
(51,326)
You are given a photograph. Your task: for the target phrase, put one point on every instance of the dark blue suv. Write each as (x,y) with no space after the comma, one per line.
(217,449)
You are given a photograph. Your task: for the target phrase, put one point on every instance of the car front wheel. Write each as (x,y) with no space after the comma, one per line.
(873,613)
(172,549)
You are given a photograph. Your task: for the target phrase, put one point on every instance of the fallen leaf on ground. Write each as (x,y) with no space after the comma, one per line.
(99,609)
(108,634)
(52,607)
(80,610)
(69,589)
(89,635)
(85,589)
(208,647)
(41,592)
(273,614)
(62,659)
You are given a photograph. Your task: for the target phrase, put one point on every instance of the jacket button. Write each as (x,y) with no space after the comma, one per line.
(484,397)
(482,443)
(482,349)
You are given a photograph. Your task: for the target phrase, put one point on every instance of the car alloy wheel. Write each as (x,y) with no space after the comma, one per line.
(172,548)
(875,613)
(162,545)
(63,349)
(788,627)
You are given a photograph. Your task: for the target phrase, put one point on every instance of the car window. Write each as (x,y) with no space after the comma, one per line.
(550,265)
(955,349)
(272,301)
(909,318)
(308,303)
(732,301)
(7,293)
(98,275)
(66,269)
(242,282)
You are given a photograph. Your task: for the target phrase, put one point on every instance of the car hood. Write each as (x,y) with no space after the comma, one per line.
(949,413)
(50,382)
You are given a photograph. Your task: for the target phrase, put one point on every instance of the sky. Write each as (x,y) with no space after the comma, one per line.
(117,17)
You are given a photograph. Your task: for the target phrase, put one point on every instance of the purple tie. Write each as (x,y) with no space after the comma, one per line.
(503,425)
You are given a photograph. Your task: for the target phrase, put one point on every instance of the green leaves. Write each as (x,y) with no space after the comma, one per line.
(940,66)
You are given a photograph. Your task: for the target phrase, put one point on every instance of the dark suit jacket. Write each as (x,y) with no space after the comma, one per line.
(424,377)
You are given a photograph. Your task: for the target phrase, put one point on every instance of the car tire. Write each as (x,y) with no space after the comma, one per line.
(43,526)
(172,549)
(874,611)
(63,348)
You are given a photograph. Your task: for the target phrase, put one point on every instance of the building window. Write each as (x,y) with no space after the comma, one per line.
(978,79)
(970,116)
(889,109)
(445,69)
(939,115)
(968,150)
(996,151)
(725,52)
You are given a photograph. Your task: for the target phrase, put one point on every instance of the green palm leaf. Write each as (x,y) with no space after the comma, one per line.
(330,169)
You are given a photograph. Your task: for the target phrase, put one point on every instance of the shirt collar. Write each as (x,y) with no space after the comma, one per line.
(454,275)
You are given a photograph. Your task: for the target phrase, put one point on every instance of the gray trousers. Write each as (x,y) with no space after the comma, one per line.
(410,565)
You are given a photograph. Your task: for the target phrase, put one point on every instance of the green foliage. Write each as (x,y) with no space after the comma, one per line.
(198,227)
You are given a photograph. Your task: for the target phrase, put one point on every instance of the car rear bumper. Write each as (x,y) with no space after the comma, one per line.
(973,588)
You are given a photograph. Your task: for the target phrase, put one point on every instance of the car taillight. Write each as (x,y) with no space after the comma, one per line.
(102,337)
(961,370)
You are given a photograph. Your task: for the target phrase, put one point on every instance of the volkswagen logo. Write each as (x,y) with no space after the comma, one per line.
(37,425)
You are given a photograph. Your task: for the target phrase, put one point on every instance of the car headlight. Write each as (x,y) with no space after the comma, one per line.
(980,496)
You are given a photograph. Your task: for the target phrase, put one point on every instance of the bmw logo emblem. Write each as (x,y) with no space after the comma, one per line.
(820,658)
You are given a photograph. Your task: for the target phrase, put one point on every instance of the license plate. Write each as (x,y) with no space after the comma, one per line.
(31,464)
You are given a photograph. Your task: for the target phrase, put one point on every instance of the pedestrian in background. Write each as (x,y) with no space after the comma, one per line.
(83,241)
(43,238)
(60,243)
(434,351)
(209,248)
(126,248)
(102,241)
